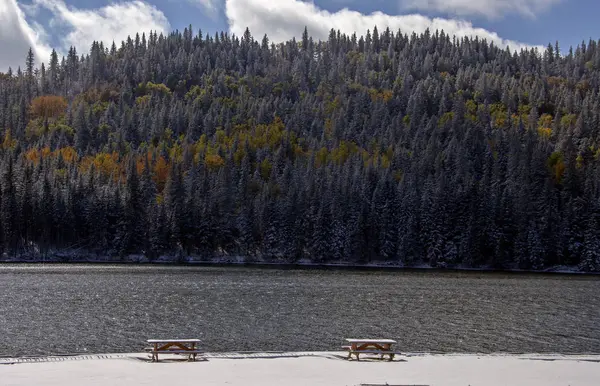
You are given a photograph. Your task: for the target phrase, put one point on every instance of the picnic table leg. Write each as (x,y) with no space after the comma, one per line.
(389,348)
(155,353)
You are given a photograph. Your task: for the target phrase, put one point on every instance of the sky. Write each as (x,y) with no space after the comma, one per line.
(60,24)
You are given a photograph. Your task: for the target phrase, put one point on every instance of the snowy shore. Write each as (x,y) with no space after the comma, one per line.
(240,261)
(314,369)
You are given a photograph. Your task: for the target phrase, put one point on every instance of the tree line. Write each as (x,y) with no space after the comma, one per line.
(385,147)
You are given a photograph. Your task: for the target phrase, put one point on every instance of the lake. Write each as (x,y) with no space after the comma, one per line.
(66,309)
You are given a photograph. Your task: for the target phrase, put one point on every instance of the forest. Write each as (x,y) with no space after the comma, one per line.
(384,148)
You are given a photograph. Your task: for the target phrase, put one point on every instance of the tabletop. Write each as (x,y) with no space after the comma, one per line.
(173,341)
(381,341)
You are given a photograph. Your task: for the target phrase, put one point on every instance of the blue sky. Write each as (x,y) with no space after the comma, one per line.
(46,24)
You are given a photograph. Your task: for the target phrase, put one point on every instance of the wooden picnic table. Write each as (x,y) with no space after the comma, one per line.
(370,346)
(174,346)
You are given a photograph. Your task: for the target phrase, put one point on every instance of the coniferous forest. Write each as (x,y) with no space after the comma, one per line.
(381,148)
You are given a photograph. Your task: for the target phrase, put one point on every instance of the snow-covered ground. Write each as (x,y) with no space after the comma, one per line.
(237,260)
(310,369)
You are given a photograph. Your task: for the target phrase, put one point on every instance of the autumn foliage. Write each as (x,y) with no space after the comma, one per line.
(48,107)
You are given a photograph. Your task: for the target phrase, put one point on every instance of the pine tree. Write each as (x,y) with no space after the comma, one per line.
(9,208)
(82,133)
(174,204)
(131,232)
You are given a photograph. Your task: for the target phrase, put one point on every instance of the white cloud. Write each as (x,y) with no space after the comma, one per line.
(210,8)
(113,22)
(17,36)
(283,19)
(210,5)
(489,8)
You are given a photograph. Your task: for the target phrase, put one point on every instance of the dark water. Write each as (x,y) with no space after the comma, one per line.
(76,309)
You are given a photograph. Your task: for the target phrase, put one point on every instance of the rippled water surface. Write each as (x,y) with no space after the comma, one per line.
(76,309)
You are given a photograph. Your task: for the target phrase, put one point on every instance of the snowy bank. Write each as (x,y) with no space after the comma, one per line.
(61,257)
(300,369)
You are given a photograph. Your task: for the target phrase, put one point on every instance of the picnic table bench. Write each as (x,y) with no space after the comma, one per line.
(174,346)
(370,346)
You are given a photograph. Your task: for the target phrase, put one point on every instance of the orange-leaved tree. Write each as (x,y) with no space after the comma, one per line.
(49,107)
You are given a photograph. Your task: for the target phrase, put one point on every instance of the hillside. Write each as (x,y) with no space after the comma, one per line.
(380,148)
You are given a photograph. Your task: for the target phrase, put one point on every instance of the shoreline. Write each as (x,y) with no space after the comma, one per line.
(297,354)
(306,368)
(223,263)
